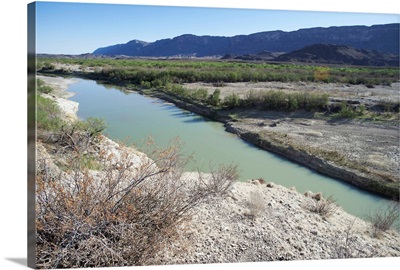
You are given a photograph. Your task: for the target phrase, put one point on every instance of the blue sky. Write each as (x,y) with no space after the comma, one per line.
(75,28)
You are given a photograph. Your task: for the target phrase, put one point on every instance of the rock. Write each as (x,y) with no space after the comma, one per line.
(270,185)
(317,196)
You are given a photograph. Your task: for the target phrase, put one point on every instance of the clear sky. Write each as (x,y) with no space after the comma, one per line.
(75,28)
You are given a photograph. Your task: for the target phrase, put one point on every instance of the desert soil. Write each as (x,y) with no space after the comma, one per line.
(269,222)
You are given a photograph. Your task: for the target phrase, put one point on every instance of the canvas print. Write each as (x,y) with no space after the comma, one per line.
(162,135)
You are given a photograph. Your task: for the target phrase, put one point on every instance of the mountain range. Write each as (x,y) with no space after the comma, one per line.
(382,38)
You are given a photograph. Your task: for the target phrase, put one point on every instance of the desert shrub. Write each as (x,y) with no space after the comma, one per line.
(93,126)
(293,103)
(45,89)
(199,94)
(145,84)
(345,245)
(256,205)
(39,82)
(90,162)
(42,88)
(361,109)
(214,99)
(279,100)
(220,180)
(252,98)
(322,74)
(177,90)
(48,114)
(346,111)
(231,101)
(46,65)
(120,216)
(274,100)
(157,84)
(323,207)
(315,101)
(383,218)
(79,135)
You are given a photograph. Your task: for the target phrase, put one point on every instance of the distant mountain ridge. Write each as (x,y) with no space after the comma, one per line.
(383,38)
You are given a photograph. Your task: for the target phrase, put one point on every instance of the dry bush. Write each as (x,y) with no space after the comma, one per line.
(256,205)
(323,207)
(383,218)
(346,245)
(119,216)
(221,179)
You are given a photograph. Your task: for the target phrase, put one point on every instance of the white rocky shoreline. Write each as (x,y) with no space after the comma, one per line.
(259,221)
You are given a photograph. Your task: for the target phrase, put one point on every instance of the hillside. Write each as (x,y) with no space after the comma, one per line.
(383,38)
(339,54)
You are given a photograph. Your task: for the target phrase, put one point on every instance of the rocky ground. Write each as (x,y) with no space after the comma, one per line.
(258,221)
(370,148)
(268,222)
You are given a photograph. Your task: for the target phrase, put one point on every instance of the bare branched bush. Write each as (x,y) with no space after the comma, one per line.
(119,216)
(383,218)
(221,179)
(323,207)
(346,246)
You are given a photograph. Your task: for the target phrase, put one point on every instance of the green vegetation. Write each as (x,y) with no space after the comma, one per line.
(157,73)
(49,118)
(232,101)
(168,76)
(48,115)
(348,112)
(42,88)
(278,100)
(214,98)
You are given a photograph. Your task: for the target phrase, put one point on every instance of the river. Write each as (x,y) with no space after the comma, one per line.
(132,117)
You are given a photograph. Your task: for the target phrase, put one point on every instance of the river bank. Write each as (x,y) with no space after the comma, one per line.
(258,221)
